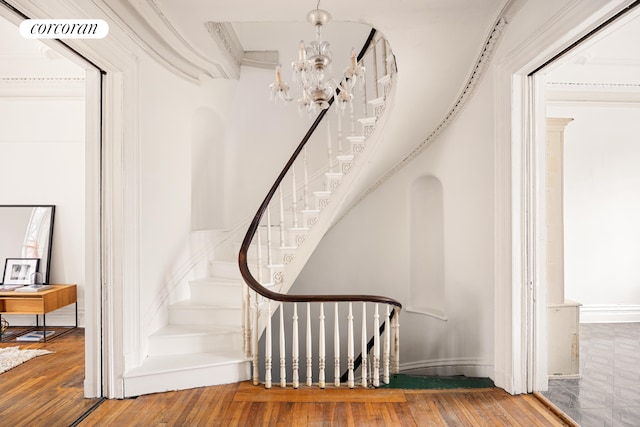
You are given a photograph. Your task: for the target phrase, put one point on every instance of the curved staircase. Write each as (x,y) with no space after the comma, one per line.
(212,336)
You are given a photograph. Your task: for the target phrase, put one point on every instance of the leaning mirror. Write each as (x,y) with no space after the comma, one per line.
(26,231)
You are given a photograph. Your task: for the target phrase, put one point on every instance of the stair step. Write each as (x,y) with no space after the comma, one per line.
(333,180)
(322,199)
(225,269)
(310,217)
(357,144)
(216,291)
(187,339)
(186,371)
(368,126)
(193,313)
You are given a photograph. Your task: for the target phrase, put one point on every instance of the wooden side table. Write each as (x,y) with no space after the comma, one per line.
(39,303)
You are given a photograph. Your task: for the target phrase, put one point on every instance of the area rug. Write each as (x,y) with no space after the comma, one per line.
(427,382)
(10,357)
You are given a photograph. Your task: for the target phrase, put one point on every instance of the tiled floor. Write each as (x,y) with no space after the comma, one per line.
(608,394)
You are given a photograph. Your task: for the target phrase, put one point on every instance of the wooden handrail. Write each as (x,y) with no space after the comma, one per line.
(249,279)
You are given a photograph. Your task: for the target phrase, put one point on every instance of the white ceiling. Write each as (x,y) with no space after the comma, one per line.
(606,67)
(31,58)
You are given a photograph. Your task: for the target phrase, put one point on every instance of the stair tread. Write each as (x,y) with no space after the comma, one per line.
(221,281)
(194,304)
(175,330)
(183,362)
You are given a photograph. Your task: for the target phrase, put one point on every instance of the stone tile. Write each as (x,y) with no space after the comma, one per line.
(600,417)
(608,394)
(627,416)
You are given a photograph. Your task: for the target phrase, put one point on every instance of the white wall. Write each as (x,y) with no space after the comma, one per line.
(260,139)
(43,162)
(368,251)
(602,203)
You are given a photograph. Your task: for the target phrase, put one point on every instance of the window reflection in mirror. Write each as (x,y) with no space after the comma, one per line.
(26,231)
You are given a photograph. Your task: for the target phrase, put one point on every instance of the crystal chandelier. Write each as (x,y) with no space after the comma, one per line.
(312,72)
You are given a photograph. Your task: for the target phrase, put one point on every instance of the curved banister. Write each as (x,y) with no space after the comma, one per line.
(248,277)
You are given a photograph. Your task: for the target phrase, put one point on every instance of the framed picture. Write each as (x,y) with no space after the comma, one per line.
(19,271)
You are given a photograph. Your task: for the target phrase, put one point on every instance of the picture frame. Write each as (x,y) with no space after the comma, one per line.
(19,271)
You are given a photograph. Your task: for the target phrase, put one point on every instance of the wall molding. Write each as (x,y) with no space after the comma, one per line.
(609,313)
(47,87)
(469,366)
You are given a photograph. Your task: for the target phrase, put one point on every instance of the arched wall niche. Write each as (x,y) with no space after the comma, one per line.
(426,240)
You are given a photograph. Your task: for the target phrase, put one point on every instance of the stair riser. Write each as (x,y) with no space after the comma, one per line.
(187,344)
(187,378)
(215,316)
(226,270)
(217,295)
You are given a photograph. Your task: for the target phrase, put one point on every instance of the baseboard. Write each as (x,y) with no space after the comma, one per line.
(609,313)
(469,367)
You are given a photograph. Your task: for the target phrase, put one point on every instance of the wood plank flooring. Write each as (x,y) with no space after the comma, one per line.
(47,391)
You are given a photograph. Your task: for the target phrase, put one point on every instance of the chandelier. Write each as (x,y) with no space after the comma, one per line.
(312,72)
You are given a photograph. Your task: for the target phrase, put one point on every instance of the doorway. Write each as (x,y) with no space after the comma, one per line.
(51,101)
(594,89)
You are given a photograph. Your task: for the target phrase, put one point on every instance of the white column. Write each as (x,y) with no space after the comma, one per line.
(376,348)
(283,351)
(364,345)
(254,336)
(309,347)
(387,346)
(350,378)
(336,347)
(321,350)
(267,348)
(294,348)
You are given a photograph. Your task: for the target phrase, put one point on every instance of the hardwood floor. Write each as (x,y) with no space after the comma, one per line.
(47,391)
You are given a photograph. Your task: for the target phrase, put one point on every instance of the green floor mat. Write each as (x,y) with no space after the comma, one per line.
(419,382)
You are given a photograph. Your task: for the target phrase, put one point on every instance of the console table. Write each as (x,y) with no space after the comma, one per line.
(39,303)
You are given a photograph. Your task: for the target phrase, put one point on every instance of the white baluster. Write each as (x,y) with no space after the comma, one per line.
(352,117)
(350,379)
(364,97)
(376,348)
(364,345)
(336,347)
(321,350)
(384,56)
(395,368)
(283,351)
(387,346)
(259,254)
(294,197)
(329,145)
(282,225)
(294,348)
(246,319)
(340,134)
(268,236)
(254,346)
(309,355)
(267,348)
(306,178)
(375,67)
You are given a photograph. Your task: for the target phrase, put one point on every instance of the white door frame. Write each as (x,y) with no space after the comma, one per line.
(111,293)
(520,223)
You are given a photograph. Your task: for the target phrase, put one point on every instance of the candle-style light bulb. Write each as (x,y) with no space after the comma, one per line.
(278,76)
(354,60)
(302,53)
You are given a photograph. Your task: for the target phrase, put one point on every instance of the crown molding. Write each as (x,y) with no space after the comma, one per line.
(42,87)
(593,92)
(150,27)
(227,40)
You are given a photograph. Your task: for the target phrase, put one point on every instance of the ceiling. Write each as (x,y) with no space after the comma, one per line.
(31,58)
(605,67)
